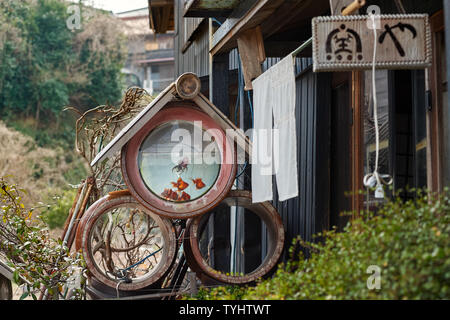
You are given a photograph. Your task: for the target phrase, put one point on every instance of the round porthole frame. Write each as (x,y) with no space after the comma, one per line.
(85,229)
(182,210)
(276,235)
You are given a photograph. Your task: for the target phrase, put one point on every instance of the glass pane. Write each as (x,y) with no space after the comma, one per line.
(179,161)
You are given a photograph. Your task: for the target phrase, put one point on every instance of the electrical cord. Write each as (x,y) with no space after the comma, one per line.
(375,179)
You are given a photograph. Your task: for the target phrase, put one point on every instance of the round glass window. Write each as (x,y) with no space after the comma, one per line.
(179,161)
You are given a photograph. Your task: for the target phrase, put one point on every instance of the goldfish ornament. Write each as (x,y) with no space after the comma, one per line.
(180,184)
(199,184)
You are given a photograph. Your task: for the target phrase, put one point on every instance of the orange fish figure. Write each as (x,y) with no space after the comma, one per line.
(180,184)
(174,196)
(169,194)
(184,197)
(198,183)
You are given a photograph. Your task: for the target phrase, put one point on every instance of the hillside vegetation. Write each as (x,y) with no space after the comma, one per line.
(45,67)
(42,172)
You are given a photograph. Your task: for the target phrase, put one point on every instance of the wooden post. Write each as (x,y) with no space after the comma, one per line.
(90,183)
(353,7)
(357,143)
(69,218)
(447,58)
(338,6)
(347,7)
(192,283)
(251,49)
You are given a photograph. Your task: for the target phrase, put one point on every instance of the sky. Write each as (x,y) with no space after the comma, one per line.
(117,5)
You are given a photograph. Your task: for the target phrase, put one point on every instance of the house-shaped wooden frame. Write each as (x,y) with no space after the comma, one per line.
(183,101)
(172,93)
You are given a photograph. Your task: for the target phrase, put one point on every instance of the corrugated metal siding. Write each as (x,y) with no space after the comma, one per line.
(306,214)
(300,63)
(234,59)
(196,57)
(190,25)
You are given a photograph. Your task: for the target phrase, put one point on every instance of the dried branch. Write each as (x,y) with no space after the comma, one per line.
(97,126)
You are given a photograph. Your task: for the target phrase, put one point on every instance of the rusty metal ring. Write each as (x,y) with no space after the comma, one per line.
(108,204)
(182,210)
(266,212)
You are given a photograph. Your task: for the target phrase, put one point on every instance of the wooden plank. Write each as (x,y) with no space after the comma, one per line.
(230,22)
(160,3)
(357,143)
(248,15)
(434,116)
(136,124)
(161,15)
(336,6)
(165,18)
(346,43)
(6,271)
(357,139)
(353,7)
(209,8)
(251,50)
(285,14)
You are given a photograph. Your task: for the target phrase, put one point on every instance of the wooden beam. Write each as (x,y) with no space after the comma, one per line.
(248,15)
(161,15)
(353,7)
(209,8)
(160,3)
(284,15)
(165,17)
(337,6)
(252,53)
(357,143)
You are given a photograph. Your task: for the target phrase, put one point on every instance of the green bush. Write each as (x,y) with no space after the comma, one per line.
(44,262)
(55,215)
(408,242)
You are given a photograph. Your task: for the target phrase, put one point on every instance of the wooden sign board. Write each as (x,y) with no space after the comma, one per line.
(344,43)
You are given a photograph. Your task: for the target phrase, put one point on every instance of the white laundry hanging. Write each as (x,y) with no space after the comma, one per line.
(275,140)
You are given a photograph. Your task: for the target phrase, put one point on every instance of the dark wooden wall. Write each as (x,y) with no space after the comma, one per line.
(309,213)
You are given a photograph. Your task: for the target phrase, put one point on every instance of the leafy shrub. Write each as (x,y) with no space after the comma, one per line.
(42,262)
(408,242)
(55,215)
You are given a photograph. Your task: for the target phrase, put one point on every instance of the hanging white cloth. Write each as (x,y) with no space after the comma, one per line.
(274,137)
